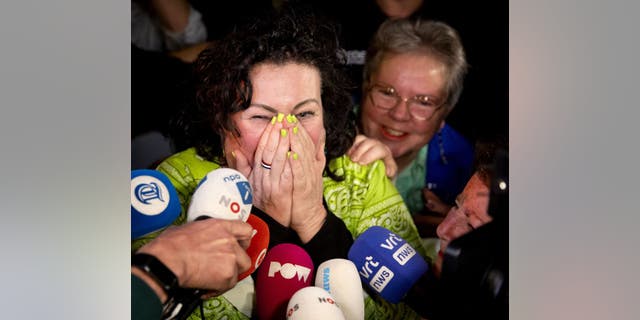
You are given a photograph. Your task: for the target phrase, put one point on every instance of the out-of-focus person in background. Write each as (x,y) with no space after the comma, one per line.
(469,277)
(166,36)
(166,25)
(472,204)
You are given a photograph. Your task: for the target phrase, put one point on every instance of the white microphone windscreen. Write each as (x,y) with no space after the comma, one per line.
(223,193)
(313,303)
(340,278)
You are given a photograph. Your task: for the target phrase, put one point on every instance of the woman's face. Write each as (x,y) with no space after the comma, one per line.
(470,212)
(289,88)
(410,75)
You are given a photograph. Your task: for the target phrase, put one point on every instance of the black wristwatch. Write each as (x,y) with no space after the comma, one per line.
(156,270)
(180,301)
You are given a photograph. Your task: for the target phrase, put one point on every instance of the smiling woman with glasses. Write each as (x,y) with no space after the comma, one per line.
(413,76)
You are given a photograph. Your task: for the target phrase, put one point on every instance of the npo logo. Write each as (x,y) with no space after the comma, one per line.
(288,271)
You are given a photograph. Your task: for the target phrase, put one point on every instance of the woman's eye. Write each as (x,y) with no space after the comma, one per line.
(387,92)
(305,114)
(425,101)
(261,117)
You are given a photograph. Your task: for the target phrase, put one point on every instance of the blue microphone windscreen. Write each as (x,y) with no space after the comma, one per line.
(386,263)
(154,202)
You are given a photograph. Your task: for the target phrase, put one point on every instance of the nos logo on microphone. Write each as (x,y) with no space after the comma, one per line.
(288,271)
(149,195)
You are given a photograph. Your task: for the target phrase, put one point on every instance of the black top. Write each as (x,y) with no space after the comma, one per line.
(332,241)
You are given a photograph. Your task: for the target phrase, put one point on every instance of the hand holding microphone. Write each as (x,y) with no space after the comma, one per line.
(212,258)
(211,242)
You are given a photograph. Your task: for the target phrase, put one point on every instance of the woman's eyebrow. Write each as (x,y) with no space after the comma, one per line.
(303,102)
(264,106)
(272,109)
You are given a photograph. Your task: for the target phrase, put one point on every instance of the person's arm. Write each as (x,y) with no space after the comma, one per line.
(145,301)
(189,54)
(172,14)
(207,254)
(180,23)
(139,274)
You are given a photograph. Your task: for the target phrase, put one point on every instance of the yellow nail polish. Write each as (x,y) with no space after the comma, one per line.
(291,118)
(288,154)
(280,117)
(273,120)
(295,156)
(295,130)
(283,132)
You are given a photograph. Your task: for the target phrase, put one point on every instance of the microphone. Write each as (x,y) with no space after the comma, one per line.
(386,263)
(154,202)
(286,269)
(259,243)
(313,303)
(223,193)
(340,278)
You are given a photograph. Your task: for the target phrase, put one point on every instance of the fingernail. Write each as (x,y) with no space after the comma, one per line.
(273,120)
(295,156)
(280,117)
(233,154)
(283,132)
(295,130)
(291,118)
(288,154)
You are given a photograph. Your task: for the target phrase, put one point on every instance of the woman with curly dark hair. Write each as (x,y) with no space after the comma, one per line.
(273,104)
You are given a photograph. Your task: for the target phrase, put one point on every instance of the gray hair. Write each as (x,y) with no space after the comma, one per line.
(432,38)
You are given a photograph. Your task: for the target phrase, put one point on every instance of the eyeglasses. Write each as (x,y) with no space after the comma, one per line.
(421,107)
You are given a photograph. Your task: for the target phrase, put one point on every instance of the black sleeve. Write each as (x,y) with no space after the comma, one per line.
(277,233)
(332,241)
(145,304)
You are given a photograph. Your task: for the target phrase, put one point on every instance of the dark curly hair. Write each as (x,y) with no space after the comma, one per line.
(223,86)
